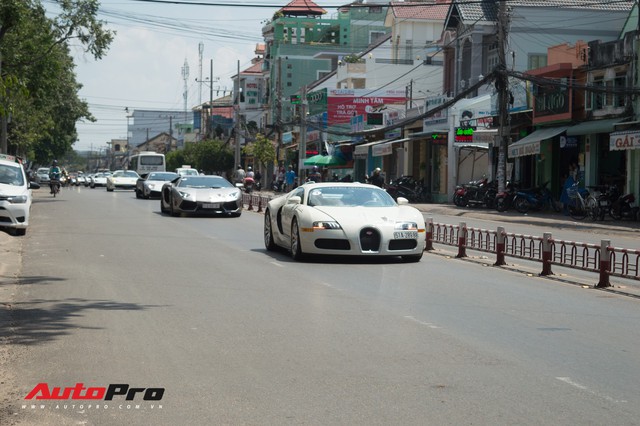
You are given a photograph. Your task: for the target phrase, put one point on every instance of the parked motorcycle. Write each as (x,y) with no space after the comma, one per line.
(621,207)
(476,194)
(277,186)
(409,188)
(504,200)
(536,198)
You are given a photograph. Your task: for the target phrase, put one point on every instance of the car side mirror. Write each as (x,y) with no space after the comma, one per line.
(294,200)
(402,201)
(34,185)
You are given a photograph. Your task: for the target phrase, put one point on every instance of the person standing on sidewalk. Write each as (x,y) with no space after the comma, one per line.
(289,179)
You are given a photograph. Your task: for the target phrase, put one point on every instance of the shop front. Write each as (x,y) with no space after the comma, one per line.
(534,162)
(626,143)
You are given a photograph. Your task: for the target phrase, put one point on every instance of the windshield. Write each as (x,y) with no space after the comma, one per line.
(349,196)
(204,182)
(11,175)
(162,176)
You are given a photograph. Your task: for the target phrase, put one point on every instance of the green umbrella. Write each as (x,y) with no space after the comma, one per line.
(312,161)
(330,160)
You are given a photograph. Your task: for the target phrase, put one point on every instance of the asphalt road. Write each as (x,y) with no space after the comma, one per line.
(112,292)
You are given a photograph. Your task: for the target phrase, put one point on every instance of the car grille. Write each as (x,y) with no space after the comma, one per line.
(369,239)
(332,244)
(402,244)
(231,205)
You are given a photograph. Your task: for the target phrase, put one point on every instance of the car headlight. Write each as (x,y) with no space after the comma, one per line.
(185,194)
(151,186)
(406,226)
(18,199)
(326,225)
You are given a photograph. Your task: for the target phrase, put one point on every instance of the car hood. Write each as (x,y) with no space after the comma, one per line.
(357,217)
(12,190)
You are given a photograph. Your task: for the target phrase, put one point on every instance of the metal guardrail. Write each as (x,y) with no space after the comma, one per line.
(618,262)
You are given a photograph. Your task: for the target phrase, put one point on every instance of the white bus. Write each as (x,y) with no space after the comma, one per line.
(146,162)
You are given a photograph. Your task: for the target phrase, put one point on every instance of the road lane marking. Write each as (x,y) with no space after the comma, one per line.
(428,324)
(577,385)
(277,264)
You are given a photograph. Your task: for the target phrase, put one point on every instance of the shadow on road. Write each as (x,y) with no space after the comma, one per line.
(40,321)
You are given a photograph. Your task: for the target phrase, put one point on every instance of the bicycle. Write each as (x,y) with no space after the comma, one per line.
(582,204)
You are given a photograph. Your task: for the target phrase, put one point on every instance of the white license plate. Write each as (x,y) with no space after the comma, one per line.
(211,206)
(401,235)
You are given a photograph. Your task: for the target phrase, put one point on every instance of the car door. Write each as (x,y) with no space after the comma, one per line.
(289,209)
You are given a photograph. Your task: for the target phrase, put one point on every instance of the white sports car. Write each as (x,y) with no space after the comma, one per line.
(344,219)
(122,179)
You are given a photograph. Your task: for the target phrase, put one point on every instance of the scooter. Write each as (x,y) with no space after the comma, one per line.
(536,198)
(248,183)
(621,208)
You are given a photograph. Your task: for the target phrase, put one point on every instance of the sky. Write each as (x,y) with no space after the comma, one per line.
(143,68)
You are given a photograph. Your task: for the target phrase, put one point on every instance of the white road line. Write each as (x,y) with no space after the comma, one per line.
(577,385)
(428,324)
(277,264)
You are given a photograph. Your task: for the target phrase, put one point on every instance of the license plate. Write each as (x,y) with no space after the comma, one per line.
(211,206)
(402,235)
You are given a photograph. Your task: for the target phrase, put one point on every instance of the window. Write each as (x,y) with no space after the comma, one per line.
(537,61)
(375,36)
(408,51)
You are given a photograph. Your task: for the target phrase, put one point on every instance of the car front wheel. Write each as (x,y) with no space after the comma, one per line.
(296,248)
(269,243)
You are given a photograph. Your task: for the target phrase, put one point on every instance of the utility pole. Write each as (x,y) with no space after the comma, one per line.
(237,154)
(278,119)
(502,87)
(302,146)
(210,120)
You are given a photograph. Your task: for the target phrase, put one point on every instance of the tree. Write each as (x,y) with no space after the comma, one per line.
(39,104)
(211,156)
(262,150)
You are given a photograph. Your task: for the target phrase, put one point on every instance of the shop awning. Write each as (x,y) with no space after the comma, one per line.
(362,150)
(530,144)
(471,145)
(385,148)
(485,136)
(594,126)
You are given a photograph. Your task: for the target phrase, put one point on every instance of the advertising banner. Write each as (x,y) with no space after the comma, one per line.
(343,104)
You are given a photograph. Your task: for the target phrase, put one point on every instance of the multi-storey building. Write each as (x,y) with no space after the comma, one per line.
(471,47)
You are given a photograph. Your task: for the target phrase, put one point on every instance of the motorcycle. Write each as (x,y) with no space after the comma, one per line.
(277,186)
(55,183)
(535,198)
(475,193)
(504,200)
(248,183)
(621,207)
(409,188)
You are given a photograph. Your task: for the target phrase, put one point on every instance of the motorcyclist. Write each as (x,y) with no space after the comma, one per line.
(239,174)
(248,180)
(54,175)
(376,178)
(315,175)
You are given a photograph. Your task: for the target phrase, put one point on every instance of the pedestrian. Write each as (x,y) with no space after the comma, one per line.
(290,179)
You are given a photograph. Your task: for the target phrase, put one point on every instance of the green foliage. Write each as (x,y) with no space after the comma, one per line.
(38,85)
(211,156)
(262,150)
